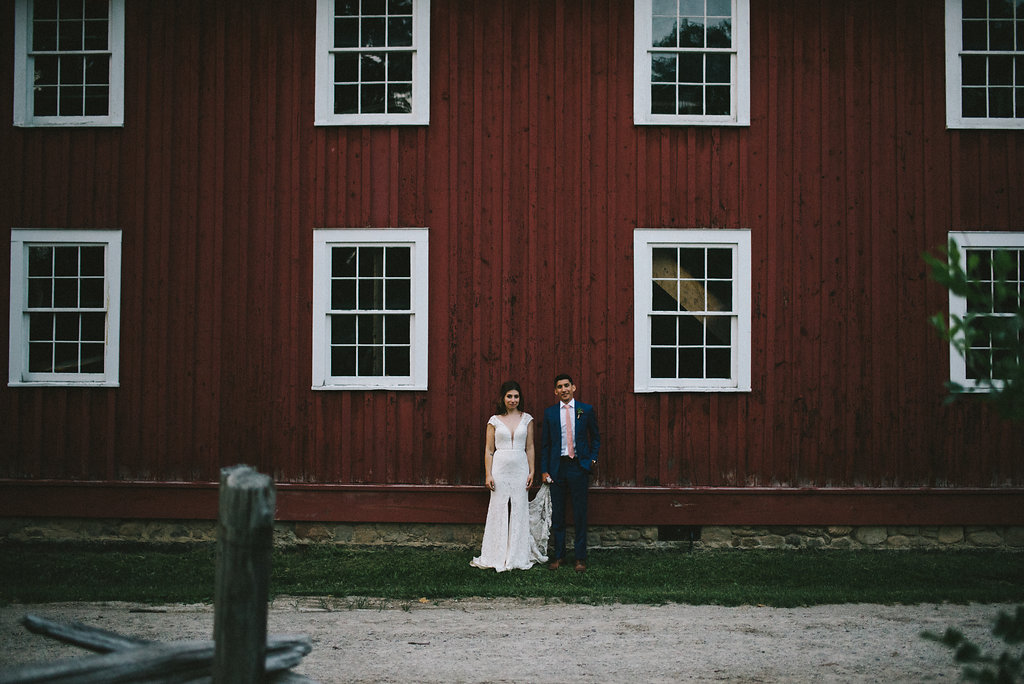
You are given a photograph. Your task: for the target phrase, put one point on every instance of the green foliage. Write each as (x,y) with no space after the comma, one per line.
(978,666)
(1002,377)
(51,572)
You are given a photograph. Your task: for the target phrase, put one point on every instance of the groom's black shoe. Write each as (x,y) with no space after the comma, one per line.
(555,564)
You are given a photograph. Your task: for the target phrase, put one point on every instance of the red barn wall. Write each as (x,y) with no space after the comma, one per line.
(531,177)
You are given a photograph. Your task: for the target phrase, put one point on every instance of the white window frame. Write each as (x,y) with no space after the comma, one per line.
(324,239)
(23,66)
(324,96)
(18,368)
(965,240)
(645,240)
(954,77)
(740,81)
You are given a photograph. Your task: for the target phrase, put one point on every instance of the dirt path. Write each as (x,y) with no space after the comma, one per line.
(360,640)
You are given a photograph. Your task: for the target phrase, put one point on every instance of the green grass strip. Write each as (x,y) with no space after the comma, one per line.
(50,573)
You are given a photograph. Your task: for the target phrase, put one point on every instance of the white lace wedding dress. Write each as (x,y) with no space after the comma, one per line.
(516,530)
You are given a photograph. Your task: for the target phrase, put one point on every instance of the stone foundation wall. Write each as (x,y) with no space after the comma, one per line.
(469,536)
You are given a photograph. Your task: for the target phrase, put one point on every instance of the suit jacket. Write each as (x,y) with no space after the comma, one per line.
(587,438)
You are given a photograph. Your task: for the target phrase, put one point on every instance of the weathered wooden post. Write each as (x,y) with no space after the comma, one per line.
(245,530)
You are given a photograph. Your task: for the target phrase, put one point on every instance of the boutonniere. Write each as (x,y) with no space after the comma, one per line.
(579,412)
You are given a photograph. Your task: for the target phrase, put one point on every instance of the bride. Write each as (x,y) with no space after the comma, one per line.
(516,531)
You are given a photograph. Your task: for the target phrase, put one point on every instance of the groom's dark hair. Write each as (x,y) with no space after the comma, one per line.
(564,376)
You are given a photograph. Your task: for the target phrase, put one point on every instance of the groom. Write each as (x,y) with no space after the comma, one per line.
(569,447)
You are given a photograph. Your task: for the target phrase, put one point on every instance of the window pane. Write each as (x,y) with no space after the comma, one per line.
(400,98)
(373,32)
(346,67)
(397,329)
(691,32)
(663,363)
(1000,35)
(399,262)
(346,8)
(346,32)
(397,361)
(720,295)
(40,357)
(398,295)
(663,31)
(371,294)
(1000,102)
(691,100)
(663,68)
(346,99)
(399,7)
(40,327)
(665,296)
(343,294)
(70,101)
(370,361)
(66,327)
(94,327)
(1000,70)
(975,35)
(40,293)
(663,330)
(719,363)
(691,331)
(975,102)
(719,100)
(372,99)
(974,67)
(44,9)
(65,292)
(69,35)
(691,67)
(343,329)
(372,67)
(369,329)
(400,31)
(92,358)
(719,8)
(343,361)
(691,363)
(96,35)
(44,35)
(719,68)
(719,262)
(691,262)
(374,7)
(371,261)
(720,33)
(663,99)
(400,66)
(65,357)
(91,293)
(40,261)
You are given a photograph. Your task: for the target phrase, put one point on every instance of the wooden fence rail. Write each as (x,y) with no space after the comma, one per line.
(240,650)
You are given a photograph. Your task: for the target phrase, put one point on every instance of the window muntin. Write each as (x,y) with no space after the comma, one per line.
(691,62)
(372,62)
(370,303)
(65,310)
(692,307)
(986,258)
(69,62)
(984,64)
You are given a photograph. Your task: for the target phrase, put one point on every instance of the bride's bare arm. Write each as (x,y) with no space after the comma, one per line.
(489,458)
(529,453)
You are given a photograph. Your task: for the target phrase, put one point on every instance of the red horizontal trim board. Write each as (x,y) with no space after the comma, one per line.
(462,504)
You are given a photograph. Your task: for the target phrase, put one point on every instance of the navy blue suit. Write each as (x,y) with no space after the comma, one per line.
(569,477)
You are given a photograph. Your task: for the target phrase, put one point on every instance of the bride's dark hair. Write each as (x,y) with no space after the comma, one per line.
(506,387)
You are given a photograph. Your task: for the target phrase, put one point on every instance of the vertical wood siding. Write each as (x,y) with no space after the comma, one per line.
(531,178)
